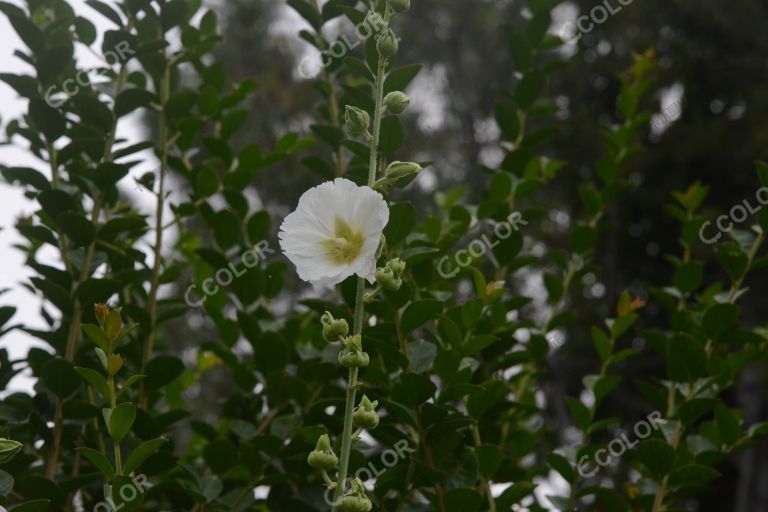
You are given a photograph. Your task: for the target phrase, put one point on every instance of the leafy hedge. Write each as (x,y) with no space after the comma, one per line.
(458,356)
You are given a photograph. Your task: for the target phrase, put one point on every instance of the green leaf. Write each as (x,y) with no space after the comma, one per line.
(422,355)
(6,483)
(719,319)
(220,455)
(127,493)
(463,500)
(692,474)
(691,410)
(688,277)
(307,12)
(207,182)
(602,343)
(687,359)
(514,494)
(399,78)
(96,380)
(142,453)
(55,202)
(418,313)
(98,460)
(128,383)
(25,28)
(762,172)
(521,51)
(727,425)
(106,11)
(601,386)
(108,174)
(258,226)
(392,135)
(620,325)
(320,167)
(132,99)
(402,220)
(489,459)
(508,122)
(173,14)
(52,62)
(94,332)
(414,389)
(529,89)
(26,176)
(32,506)
(562,466)
(162,370)
(120,420)
(60,377)
(656,455)
(93,112)
(226,229)
(79,229)
(554,286)
(48,120)
(581,415)
(733,259)
(86,31)
(180,104)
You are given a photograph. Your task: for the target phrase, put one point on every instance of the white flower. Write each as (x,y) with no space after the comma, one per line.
(335,232)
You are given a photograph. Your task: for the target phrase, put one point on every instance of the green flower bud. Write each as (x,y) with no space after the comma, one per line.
(8,449)
(397,266)
(352,356)
(323,457)
(400,5)
(333,330)
(398,170)
(365,414)
(387,44)
(387,279)
(356,500)
(396,102)
(358,120)
(375,22)
(353,359)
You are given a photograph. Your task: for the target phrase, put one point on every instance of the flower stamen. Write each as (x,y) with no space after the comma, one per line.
(346,244)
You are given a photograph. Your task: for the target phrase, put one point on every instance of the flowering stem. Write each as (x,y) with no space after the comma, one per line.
(346,439)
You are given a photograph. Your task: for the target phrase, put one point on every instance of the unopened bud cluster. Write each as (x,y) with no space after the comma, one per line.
(365,414)
(356,500)
(323,457)
(333,329)
(396,102)
(352,355)
(390,275)
(358,120)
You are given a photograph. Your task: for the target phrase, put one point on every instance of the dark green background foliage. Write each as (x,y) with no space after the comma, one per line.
(489,378)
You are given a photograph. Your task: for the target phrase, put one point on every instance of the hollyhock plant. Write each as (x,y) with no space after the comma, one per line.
(334,232)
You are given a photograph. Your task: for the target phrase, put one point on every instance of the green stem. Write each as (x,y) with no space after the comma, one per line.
(346,439)
(149,344)
(116,444)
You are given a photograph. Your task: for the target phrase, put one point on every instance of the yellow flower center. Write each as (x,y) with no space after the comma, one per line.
(346,244)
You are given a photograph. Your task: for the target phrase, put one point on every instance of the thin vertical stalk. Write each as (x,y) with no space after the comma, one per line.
(116,443)
(346,439)
(165,92)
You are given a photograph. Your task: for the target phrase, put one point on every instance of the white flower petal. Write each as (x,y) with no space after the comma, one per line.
(305,231)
